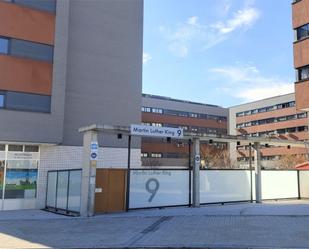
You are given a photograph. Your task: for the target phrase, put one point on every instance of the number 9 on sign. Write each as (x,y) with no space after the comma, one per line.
(152,187)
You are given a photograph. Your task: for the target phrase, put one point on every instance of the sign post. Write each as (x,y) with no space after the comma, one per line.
(196,172)
(90,157)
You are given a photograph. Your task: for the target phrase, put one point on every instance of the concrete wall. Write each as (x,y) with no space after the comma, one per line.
(104,72)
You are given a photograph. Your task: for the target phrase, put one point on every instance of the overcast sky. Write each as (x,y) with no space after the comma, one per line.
(222,52)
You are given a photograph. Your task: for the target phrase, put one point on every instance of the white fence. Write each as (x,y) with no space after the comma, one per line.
(304,184)
(170,187)
(279,184)
(224,186)
(154,188)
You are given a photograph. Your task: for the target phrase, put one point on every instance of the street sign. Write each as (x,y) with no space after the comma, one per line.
(94,156)
(94,145)
(153,131)
(94,151)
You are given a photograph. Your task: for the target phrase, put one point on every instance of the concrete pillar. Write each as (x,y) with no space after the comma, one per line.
(196,172)
(257,162)
(88,175)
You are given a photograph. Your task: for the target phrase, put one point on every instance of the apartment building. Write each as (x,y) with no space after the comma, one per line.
(63,65)
(300,11)
(275,117)
(193,117)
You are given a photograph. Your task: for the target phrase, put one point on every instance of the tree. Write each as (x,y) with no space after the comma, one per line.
(289,161)
(151,162)
(214,157)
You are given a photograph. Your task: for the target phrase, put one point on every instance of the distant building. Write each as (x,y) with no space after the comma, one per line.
(274,117)
(191,116)
(300,9)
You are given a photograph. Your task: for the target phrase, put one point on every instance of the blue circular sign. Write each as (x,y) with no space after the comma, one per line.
(93,155)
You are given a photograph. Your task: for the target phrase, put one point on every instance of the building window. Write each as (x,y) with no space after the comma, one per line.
(302,128)
(27,102)
(31,50)
(31,148)
(28,49)
(156,155)
(193,115)
(2,100)
(156,124)
(271,108)
(262,110)
(303,73)
(144,155)
(157,110)
(2,147)
(146,109)
(302,32)
(302,115)
(15,147)
(291,130)
(254,111)
(183,114)
(45,5)
(194,129)
(4,44)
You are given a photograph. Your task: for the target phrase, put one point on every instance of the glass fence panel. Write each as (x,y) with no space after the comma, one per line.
(304,183)
(51,189)
(153,188)
(75,190)
(224,186)
(62,189)
(278,184)
(2,165)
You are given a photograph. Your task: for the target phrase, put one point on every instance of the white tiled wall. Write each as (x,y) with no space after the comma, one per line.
(70,157)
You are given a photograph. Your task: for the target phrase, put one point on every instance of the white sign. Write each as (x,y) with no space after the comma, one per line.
(94,146)
(98,190)
(153,131)
(94,151)
(23,155)
(93,156)
(153,188)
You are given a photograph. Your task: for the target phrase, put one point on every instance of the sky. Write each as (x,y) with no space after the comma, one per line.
(221,52)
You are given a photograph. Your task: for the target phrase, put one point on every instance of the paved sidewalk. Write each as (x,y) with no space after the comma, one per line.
(228,226)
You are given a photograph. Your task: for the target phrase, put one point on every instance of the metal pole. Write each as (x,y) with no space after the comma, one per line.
(258,189)
(128,175)
(190,170)
(196,173)
(250,167)
(298,185)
